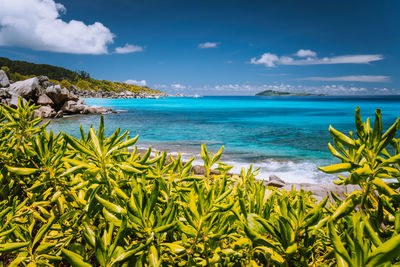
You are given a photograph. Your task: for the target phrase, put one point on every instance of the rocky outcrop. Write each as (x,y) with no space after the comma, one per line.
(54,100)
(275,181)
(4,82)
(59,95)
(72,107)
(45,112)
(112,94)
(45,100)
(28,89)
(94,110)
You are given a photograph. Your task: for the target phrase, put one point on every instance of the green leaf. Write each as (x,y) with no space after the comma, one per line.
(338,245)
(128,254)
(22,171)
(74,259)
(129,169)
(341,167)
(110,206)
(217,156)
(204,155)
(10,247)
(175,248)
(43,230)
(78,145)
(165,228)
(341,137)
(153,257)
(385,252)
(95,142)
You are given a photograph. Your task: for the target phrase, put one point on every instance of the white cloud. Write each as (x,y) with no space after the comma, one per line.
(128,48)
(138,83)
(208,45)
(351,78)
(271,60)
(249,89)
(36,24)
(266,59)
(252,89)
(178,86)
(174,87)
(305,53)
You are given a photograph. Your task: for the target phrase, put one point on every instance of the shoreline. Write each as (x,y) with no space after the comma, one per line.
(318,190)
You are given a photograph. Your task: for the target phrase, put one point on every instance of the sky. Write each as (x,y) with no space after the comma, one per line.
(214,47)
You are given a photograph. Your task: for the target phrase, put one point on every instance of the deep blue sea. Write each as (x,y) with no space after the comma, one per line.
(286,136)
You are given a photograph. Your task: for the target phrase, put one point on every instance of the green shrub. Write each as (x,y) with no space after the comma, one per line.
(93,202)
(66,84)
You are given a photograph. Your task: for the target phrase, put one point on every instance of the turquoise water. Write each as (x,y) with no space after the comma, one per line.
(286,136)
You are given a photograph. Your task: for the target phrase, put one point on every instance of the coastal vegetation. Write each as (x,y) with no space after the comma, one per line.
(22,70)
(282,93)
(95,201)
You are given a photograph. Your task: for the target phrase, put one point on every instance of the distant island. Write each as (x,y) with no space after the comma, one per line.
(280,93)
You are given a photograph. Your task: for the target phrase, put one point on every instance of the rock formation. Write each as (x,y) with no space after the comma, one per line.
(54,100)
(4,82)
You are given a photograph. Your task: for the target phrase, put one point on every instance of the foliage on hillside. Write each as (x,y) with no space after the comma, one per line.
(91,202)
(27,69)
(21,70)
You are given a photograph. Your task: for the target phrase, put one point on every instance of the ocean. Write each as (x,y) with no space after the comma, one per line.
(285,136)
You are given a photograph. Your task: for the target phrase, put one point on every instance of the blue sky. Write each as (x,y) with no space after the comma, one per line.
(213,47)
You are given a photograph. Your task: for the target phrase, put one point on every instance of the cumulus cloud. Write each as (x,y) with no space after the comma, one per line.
(128,48)
(36,24)
(308,57)
(138,83)
(305,53)
(208,45)
(351,78)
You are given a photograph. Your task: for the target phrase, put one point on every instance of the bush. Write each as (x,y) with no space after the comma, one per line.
(91,201)
(66,84)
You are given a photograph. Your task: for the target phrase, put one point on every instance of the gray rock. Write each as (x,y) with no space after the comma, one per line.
(274,183)
(275,178)
(45,100)
(13,102)
(4,82)
(42,79)
(200,170)
(56,95)
(29,89)
(93,110)
(46,84)
(71,107)
(4,93)
(73,97)
(59,114)
(60,95)
(4,101)
(45,112)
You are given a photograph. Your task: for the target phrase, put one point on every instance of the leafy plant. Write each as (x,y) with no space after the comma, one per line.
(97,201)
(371,238)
